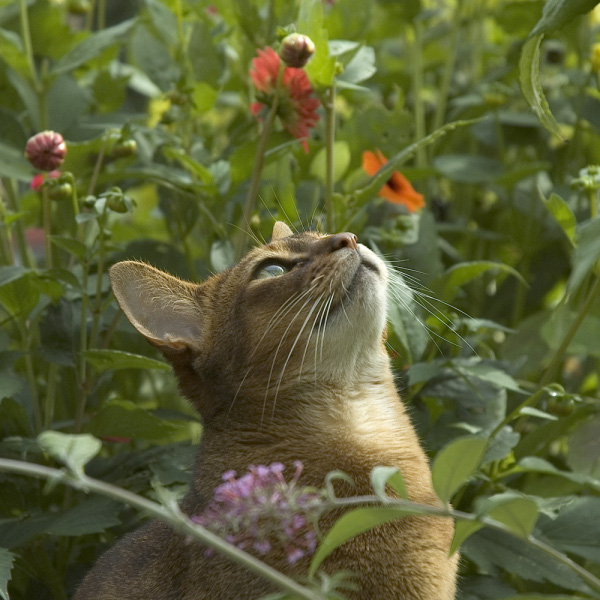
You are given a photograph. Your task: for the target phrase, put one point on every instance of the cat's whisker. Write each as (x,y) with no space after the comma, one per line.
(328,309)
(312,330)
(287,360)
(283,337)
(275,319)
(249,233)
(282,210)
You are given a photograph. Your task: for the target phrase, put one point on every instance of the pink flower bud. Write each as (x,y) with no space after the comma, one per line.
(46,150)
(296,49)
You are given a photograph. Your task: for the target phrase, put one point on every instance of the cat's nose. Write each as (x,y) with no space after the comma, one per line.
(342,240)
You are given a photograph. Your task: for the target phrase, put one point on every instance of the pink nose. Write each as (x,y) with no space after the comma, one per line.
(342,240)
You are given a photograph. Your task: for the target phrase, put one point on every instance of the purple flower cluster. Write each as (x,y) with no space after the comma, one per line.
(261,511)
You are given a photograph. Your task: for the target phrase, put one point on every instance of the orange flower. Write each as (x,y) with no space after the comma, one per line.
(397,189)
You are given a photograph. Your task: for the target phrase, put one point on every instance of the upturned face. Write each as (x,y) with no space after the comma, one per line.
(304,309)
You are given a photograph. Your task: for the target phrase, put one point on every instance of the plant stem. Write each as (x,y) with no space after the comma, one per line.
(50,401)
(417,86)
(258,165)
(33,391)
(47,219)
(168,514)
(26,35)
(24,255)
(329,106)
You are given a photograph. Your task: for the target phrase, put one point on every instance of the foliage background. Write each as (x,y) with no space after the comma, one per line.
(153,99)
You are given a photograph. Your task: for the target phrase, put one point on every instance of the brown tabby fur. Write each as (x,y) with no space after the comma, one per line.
(281,384)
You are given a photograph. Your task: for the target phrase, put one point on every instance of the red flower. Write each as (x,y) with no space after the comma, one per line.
(297,106)
(46,150)
(38,180)
(397,189)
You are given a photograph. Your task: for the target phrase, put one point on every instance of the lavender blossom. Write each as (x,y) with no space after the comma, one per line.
(261,511)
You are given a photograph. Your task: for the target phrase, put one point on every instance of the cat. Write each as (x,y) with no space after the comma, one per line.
(283,356)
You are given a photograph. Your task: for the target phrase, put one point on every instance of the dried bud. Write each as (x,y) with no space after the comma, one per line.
(46,150)
(296,49)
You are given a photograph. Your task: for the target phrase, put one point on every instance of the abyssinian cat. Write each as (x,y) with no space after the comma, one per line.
(283,356)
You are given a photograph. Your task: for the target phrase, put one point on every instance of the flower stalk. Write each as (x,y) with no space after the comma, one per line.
(329,106)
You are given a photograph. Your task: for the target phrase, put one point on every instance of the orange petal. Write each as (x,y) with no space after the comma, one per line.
(371,163)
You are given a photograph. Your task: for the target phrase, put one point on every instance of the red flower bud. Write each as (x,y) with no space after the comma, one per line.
(296,49)
(46,150)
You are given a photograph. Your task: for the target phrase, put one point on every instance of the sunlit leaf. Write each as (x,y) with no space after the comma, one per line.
(104,360)
(455,463)
(6,562)
(74,450)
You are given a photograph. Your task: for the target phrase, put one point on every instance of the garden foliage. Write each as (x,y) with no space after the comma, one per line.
(177,154)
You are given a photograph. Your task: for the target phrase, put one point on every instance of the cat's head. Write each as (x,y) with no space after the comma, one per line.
(304,309)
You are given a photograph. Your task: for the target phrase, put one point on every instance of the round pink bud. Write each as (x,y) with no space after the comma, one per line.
(296,49)
(46,150)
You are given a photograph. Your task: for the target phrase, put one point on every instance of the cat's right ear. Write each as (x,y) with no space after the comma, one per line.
(280,230)
(164,309)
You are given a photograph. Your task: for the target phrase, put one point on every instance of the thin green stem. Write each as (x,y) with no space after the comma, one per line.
(50,401)
(23,248)
(592,195)
(329,106)
(47,220)
(30,371)
(26,35)
(83,370)
(168,514)
(258,165)
(6,252)
(101,14)
(96,310)
(417,87)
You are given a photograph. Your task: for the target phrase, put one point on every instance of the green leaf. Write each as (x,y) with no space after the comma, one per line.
(536,412)
(462,273)
(531,86)
(92,46)
(587,252)
(562,214)
(377,181)
(76,521)
(104,360)
(321,67)
(576,528)
(6,562)
(360,67)
(341,161)
(558,13)
(222,255)
(462,531)
(12,52)
(74,450)
(14,164)
(455,463)
(518,513)
(381,477)
(124,419)
(468,168)
(350,525)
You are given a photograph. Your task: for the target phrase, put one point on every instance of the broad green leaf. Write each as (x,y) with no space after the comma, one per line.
(93,515)
(351,524)
(463,530)
(531,86)
(562,214)
(124,419)
(536,412)
(462,273)
(222,255)
(360,67)
(321,67)
(12,52)
(535,464)
(558,13)
(92,46)
(381,477)
(164,21)
(491,549)
(577,528)
(14,164)
(74,450)
(72,246)
(518,513)
(6,562)
(380,178)
(468,168)
(489,373)
(455,463)
(104,360)
(587,252)
(341,161)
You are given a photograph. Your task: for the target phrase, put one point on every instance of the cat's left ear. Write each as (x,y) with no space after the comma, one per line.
(280,230)
(164,309)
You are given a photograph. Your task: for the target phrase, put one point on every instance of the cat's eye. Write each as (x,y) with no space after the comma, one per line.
(271,270)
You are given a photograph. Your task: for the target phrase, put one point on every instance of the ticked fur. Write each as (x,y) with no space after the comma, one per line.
(283,357)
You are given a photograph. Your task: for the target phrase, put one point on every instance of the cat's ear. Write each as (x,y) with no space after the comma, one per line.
(164,309)
(280,230)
